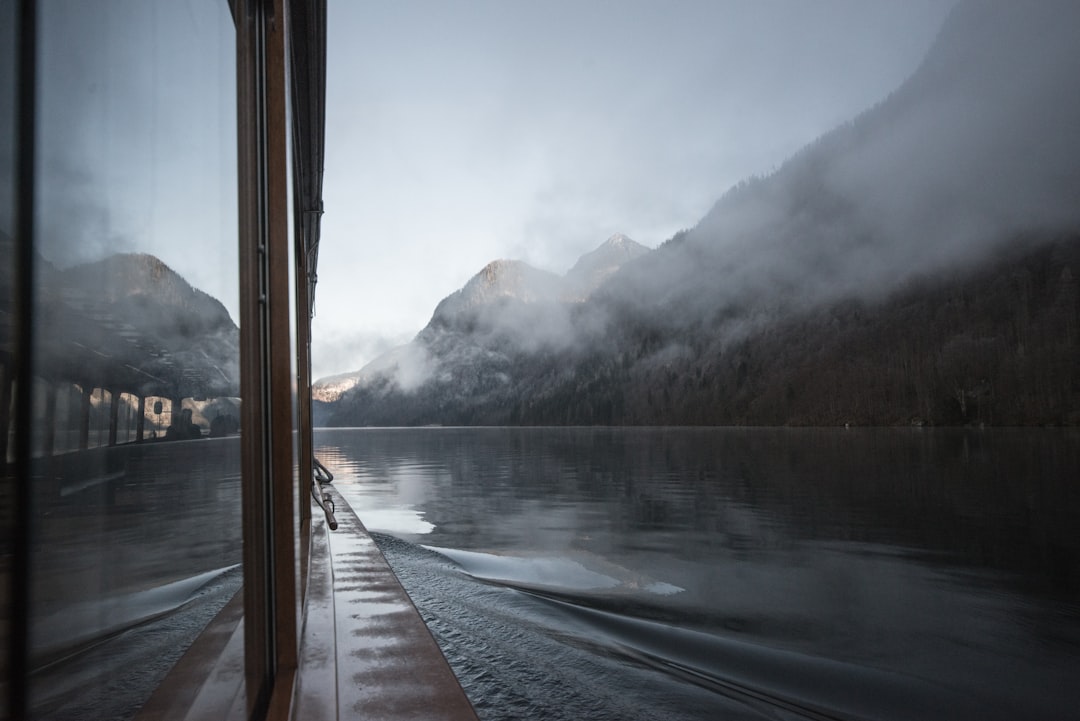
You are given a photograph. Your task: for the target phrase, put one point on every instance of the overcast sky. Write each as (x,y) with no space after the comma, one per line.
(462,132)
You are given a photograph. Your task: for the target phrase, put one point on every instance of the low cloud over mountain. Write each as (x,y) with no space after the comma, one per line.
(959,189)
(476,334)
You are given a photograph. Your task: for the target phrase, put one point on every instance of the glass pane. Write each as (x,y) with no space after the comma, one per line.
(7,262)
(136,538)
(299,482)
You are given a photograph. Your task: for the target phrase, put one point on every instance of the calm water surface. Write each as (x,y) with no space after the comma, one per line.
(735,573)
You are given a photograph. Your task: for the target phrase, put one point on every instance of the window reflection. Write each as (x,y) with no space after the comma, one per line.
(7,263)
(136,508)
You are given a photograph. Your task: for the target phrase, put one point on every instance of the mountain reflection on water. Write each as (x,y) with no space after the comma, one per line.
(735,573)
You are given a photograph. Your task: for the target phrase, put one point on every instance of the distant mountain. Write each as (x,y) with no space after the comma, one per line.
(331,388)
(508,308)
(976,149)
(592,269)
(916,265)
(501,282)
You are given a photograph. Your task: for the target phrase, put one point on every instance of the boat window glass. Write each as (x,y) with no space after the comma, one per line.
(136,533)
(8,129)
(300,487)
(8,50)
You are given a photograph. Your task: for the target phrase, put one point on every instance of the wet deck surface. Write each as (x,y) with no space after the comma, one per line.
(385,663)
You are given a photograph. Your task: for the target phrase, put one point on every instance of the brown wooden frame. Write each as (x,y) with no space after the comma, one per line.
(277,511)
(271,601)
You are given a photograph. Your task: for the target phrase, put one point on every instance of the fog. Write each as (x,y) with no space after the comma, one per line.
(974,155)
(465,133)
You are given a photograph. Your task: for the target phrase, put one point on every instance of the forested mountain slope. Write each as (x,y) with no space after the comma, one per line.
(916,265)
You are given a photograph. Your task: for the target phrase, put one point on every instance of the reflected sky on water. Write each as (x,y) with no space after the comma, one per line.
(945,556)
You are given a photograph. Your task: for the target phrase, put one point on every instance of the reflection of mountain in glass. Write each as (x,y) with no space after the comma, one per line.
(130,323)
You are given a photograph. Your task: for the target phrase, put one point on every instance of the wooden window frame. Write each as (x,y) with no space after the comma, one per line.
(272,601)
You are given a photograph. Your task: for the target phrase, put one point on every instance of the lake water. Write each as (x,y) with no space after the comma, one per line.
(598,573)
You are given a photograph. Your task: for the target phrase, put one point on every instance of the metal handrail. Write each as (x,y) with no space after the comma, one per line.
(322,474)
(320,477)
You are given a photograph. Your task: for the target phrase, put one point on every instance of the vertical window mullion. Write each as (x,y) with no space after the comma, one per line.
(251,123)
(25,123)
(269,507)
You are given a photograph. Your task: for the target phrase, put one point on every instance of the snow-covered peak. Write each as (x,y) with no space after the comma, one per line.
(619,241)
(595,267)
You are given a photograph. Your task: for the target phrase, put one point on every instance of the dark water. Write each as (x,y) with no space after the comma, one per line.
(729,573)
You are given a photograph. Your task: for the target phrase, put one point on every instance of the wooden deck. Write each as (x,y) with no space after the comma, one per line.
(365,652)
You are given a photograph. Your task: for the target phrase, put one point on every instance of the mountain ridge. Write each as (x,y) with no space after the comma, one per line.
(503,297)
(972,159)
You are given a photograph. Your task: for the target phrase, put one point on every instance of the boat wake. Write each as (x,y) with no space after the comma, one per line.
(576,637)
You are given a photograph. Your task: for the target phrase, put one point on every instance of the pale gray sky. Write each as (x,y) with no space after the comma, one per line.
(457,132)
(461,132)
